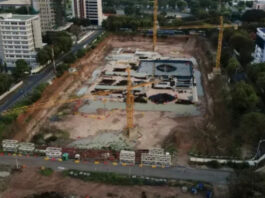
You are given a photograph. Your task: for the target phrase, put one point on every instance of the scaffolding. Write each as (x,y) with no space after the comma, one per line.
(10,145)
(26,147)
(156,157)
(127,157)
(53,152)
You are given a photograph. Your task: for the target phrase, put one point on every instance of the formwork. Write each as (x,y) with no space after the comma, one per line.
(156,157)
(10,145)
(127,157)
(53,152)
(26,147)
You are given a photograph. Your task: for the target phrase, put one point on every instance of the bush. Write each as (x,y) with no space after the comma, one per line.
(80,53)
(71,58)
(213,164)
(46,171)
(61,69)
(112,178)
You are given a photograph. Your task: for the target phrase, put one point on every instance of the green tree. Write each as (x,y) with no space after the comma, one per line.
(1,67)
(6,82)
(181,4)
(80,53)
(44,55)
(21,70)
(71,58)
(233,66)
(247,184)
(252,127)
(244,45)
(172,3)
(244,98)
(75,30)
(253,16)
(61,41)
(61,69)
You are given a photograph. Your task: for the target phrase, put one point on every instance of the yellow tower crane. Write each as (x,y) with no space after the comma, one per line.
(221,28)
(207,26)
(129,101)
(155,25)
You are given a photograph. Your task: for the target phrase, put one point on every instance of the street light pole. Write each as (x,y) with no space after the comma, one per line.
(53,60)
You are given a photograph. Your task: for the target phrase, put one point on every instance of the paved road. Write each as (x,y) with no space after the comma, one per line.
(46,74)
(204,175)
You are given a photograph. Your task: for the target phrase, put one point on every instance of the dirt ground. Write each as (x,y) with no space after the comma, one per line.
(156,128)
(30,182)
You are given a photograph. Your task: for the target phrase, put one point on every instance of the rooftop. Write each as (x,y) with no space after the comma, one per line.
(15,2)
(16,17)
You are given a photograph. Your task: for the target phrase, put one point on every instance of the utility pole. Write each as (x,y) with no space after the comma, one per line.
(155,32)
(17,164)
(53,60)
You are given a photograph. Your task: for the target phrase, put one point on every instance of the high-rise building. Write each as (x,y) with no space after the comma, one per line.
(88,9)
(52,13)
(47,14)
(20,37)
(259,55)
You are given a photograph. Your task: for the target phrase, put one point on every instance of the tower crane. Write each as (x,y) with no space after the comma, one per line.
(207,26)
(155,25)
(129,101)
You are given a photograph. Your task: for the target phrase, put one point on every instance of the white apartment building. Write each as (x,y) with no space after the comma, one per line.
(14,3)
(88,9)
(20,36)
(259,55)
(47,14)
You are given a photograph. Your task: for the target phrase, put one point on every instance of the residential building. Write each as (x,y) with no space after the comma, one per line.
(259,55)
(88,9)
(259,4)
(6,4)
(20,37)
(47,14)
(52,13)
(68,8)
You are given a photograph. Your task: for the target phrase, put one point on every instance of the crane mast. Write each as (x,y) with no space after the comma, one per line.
(155,25)
(220,44)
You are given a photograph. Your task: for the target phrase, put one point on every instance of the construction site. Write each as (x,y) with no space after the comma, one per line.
(91,105)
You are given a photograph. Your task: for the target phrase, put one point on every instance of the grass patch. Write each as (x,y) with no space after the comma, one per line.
(46,171)
(7,120)
(118,179)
